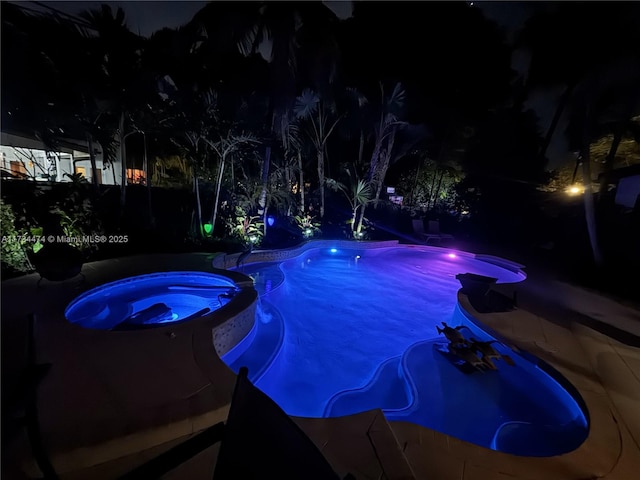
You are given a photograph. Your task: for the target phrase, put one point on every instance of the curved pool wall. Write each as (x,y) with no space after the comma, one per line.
(171,298)
(150,300)
(547,420)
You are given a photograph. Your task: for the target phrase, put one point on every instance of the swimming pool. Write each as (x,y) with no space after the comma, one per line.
(340,331)
(147,300)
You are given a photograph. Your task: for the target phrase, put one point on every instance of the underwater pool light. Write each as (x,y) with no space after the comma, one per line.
(451,255)
(333,250)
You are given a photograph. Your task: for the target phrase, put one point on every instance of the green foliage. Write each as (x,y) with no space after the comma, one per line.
(247,228)
(14,241)
(308,225)
(358,193)
(430,187)
(76,178)
(75,214)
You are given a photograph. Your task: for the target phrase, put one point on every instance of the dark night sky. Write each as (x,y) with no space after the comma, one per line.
(143,17)
(146,17)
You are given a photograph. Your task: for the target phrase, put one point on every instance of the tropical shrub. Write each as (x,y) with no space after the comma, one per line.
(15,241)
(308,225)
(249,229)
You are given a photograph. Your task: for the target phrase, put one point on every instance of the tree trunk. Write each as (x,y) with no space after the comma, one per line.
(92,157)
(301,182)
(147,179)
(361,147)
(562,103)
(373,166)
(589,207)
(384,166)
(437,192)
(262,201)
(610,160)
(123,166)
(415,185)
(214,215)
(321,179)
(196,187)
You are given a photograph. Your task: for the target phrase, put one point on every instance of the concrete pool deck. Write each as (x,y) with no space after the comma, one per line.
(97,425)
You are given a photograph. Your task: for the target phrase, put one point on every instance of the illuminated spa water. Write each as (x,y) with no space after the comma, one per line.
(147,300)
(344,331)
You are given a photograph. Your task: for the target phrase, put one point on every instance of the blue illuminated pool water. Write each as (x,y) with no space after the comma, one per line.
(348,331)
(147,300)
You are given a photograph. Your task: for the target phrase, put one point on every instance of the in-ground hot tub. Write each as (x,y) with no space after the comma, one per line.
(151,300)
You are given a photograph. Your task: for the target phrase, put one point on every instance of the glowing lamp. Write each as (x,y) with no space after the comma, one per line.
(271,220)
(208,228)
(575,190)
(253,238)
(451,255)
(308,231)
(333,250)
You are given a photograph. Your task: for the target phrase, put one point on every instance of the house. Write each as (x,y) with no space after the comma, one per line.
(25,157)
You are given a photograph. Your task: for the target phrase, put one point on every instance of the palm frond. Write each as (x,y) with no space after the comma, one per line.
(306,104)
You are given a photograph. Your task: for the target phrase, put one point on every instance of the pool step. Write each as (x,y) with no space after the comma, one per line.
(387,387)
(265,345)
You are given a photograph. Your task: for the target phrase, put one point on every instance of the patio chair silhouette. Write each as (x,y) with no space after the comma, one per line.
(434,229)
(259,440)
(433,232)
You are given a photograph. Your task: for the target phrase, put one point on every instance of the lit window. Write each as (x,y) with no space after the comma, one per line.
(135,175)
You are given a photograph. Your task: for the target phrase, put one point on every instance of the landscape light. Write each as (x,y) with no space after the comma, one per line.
(208,228)
(575,190)
(270,221)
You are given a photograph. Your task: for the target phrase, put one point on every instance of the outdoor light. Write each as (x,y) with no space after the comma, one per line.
(452,255)
(308,231)
(357,257)
(271,220)
(333,250)
(208,228)
(252,238)
(575,190)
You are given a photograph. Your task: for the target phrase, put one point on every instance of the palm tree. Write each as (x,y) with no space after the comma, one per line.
(116,53)
(193,121)
(290,36)
(358,193)
(227,145)
(321,122)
